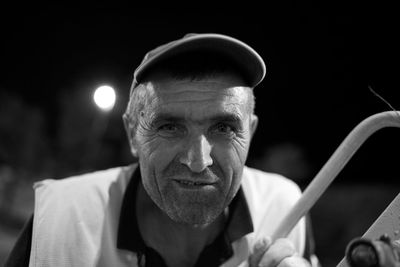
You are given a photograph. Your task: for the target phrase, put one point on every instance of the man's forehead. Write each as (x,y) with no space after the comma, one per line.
(194,104)
(222,87)
(210,116)
(207,94)
(199,103)
(203,92)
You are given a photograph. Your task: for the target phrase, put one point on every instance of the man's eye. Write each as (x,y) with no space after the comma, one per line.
(222,128)
(171,130)
(169,127)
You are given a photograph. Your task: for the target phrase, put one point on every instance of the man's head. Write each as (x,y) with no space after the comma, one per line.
(190,121)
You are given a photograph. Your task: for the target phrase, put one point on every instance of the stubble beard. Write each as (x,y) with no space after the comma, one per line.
(193,209)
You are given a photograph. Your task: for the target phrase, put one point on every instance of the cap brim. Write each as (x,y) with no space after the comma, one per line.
(249,60)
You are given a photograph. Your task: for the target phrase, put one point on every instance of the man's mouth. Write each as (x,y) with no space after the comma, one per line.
(193,184)
(184,182)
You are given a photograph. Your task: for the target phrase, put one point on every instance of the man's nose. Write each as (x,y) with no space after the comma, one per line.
(197,154)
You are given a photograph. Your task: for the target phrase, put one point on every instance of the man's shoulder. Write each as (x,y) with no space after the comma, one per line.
(92,180)
(270,196)
(266,181)
(269,191)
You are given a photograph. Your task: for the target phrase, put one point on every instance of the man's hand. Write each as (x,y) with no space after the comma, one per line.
(280,253)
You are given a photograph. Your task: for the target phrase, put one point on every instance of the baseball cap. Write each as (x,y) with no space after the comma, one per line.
(248,59)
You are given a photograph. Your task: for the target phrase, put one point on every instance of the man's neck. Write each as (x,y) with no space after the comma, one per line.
(179,244)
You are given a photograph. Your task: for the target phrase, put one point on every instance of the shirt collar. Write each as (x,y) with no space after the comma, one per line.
(239,221)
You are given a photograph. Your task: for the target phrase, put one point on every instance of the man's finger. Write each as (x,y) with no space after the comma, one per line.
(294,261)
(259,249)
(279,250)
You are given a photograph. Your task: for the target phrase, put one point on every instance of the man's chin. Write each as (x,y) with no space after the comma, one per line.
(196,220)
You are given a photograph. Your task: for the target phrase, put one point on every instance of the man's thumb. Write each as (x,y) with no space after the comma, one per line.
(260,247)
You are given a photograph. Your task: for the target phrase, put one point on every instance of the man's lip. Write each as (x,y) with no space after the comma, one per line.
(195,182)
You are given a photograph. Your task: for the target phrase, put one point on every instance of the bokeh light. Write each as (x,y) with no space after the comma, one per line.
(104,97)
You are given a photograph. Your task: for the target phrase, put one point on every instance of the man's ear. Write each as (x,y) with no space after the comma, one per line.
(253,124)
(130,132)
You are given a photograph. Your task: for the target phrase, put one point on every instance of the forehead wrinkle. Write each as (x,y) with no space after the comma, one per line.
(215,87)
(231,96)
(232,112)
(211,84)
(179,117)
(228,84)
(165,99)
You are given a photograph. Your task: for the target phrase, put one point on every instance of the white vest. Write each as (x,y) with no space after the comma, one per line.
(76,219)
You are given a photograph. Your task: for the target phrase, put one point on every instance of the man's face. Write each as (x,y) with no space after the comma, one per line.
(192,141)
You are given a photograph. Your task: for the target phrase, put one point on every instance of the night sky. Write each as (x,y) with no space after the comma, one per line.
(320,60)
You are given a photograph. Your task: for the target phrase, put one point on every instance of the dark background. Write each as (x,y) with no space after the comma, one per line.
(321,60)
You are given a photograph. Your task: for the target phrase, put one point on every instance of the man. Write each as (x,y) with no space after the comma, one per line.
(190,200)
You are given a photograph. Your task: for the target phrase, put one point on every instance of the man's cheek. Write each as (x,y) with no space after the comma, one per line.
(241,147)
(148,145)
(159,156)
(233,155)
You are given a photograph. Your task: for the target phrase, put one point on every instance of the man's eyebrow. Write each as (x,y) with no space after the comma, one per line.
(228,117)
(225,117)
(161,117)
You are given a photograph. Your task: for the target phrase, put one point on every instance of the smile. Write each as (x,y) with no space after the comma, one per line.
(191,183)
